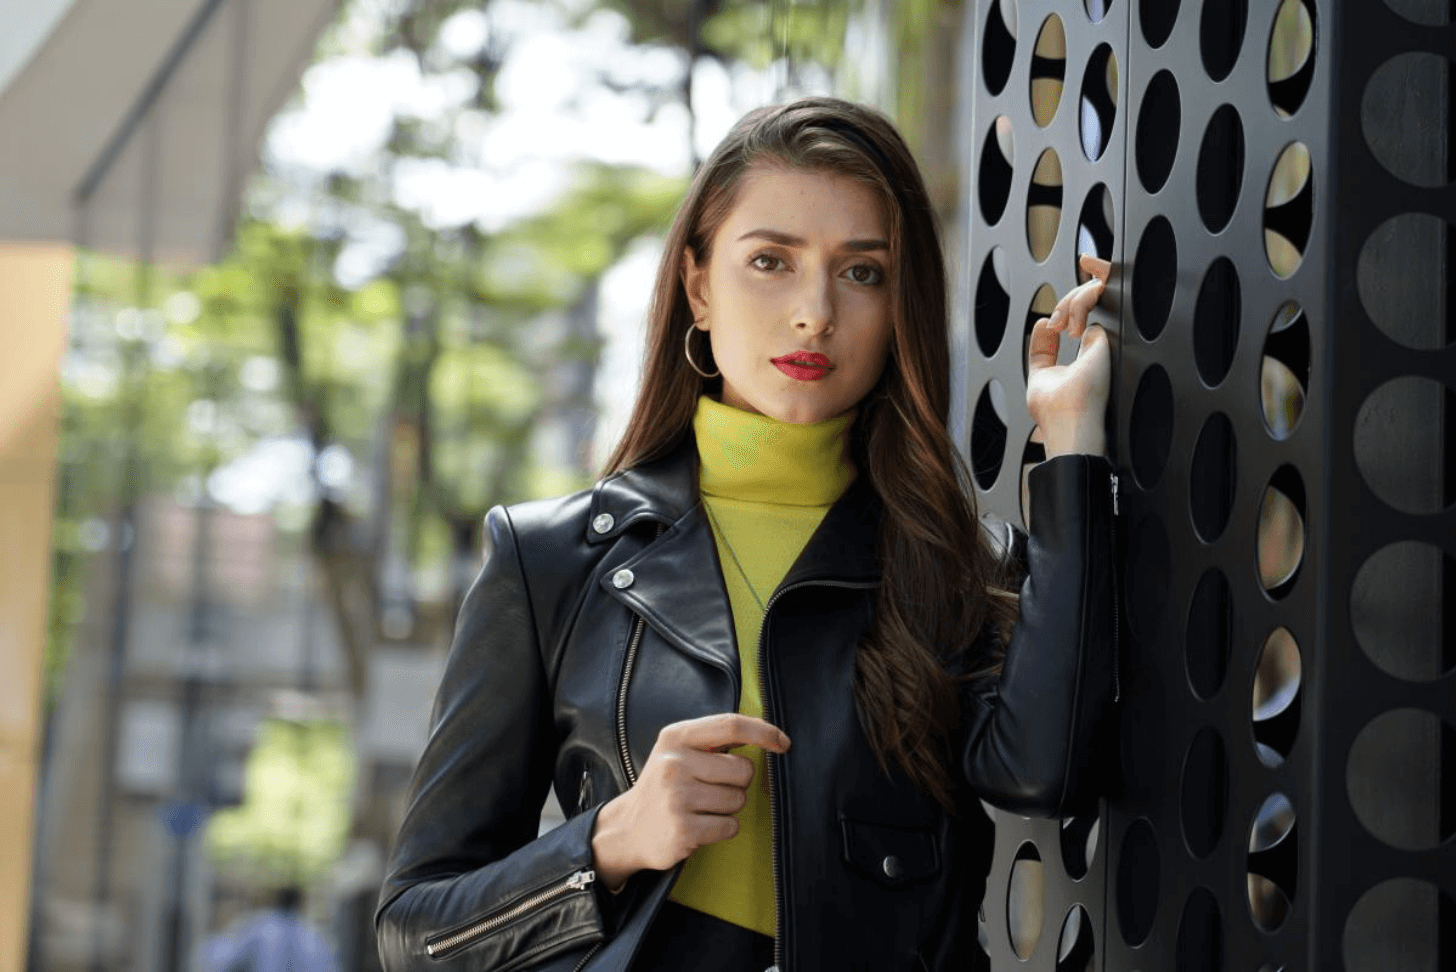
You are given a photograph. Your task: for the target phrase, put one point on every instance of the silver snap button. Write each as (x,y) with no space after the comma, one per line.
(603,522)
(892,867)
(622,578)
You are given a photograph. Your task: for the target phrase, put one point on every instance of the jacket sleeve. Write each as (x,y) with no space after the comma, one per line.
(469,883)
(1030,735)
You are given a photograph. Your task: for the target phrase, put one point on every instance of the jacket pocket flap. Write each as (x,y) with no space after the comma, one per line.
(895,856)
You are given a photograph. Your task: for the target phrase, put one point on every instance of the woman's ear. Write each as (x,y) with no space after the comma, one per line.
(695,283)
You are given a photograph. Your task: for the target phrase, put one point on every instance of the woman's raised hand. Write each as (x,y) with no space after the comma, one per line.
(685,797)
(1067,402)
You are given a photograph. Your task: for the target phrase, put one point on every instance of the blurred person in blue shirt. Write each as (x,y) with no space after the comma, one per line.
(277,940)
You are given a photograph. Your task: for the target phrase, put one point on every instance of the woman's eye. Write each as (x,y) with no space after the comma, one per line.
(865,273)
(765,261)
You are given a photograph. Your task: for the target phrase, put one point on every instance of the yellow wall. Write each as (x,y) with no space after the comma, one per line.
(35,293)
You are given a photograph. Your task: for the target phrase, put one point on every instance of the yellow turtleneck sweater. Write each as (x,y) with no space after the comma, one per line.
(766,485)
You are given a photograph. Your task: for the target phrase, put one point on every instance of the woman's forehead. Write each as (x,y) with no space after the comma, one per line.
(814,204)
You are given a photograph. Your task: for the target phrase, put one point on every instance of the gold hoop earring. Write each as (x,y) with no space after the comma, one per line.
(688,352)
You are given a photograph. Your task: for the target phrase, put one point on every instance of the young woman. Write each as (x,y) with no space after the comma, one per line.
(772,660)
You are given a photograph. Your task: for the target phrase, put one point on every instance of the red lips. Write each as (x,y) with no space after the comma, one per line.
(804,357)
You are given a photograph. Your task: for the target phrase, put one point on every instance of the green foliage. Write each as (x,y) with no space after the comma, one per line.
(758,33)
(295,814)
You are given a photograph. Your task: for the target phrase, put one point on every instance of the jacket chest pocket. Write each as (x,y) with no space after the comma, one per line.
(895,857)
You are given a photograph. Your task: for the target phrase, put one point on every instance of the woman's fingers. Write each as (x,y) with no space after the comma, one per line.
(1099,268)
(726,730)
(1071,311)
(727,769)
(1045,343)
(1070,314)
(716,798)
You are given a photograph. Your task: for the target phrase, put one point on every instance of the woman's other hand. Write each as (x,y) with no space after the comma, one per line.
(1068,402)
(685,797)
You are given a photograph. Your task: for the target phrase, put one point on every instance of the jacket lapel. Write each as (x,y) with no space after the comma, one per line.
(676,580)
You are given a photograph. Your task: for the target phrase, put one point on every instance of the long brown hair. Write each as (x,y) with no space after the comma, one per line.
(939,587)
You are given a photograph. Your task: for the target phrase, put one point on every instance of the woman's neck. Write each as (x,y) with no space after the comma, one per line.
(748,456)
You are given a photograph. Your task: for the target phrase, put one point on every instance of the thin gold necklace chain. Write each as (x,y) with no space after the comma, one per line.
(732,553)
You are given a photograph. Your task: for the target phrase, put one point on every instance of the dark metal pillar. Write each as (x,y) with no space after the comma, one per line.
(1281,210)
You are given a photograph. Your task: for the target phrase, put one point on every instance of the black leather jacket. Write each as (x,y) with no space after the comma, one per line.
(602,616)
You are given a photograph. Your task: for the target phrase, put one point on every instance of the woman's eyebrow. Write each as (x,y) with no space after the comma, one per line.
(788,239)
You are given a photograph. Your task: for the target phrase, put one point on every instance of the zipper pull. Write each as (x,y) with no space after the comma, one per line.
(581,879)
(1114,494)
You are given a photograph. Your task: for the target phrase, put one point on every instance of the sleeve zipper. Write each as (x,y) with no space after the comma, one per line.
(442,945)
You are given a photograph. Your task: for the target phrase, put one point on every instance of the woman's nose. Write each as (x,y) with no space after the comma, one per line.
(814,308)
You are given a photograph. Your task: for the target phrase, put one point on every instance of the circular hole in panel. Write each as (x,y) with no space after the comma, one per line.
(1397,610)
(1157,18)
(1149,564)
(998,157)
(1423,11)
(1291,56)
(1094,228)
(1138,867)
(1220,168)
(1284,371)
(1289,210)
(1151,429)
(1400,923)
(1405,117)
(1200,934)
(1204,797)
(1044,205)
(1273,862)
(1212,477)
(988,434)
(1048,70)
(1394,777)
(1159,119)
(1154,277)
(998,46)
(1280,532)
(1404,281)
(1026,901)
(1216,315)
(993,301)
(1278,677)
(1399,444)
(1079,844)
(1221,34)
(1209,636)
(1076,947)
(1043,302)
(1097,9)
(1098,104)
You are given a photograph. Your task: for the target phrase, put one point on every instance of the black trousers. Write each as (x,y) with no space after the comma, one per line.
(682,938)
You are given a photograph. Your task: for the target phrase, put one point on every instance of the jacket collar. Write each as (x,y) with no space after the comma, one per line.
(842,548)
(670,583)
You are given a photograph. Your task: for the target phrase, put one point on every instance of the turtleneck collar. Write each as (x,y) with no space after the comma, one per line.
(748,456)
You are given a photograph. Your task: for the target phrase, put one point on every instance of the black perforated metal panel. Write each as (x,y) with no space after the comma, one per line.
(1273,181)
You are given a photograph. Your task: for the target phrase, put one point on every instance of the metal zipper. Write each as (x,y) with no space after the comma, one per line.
(771,759)
(1116,633)
(622,749)
(588,956)
(441,946)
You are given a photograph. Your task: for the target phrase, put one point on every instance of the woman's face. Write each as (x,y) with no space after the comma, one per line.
(796,295)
